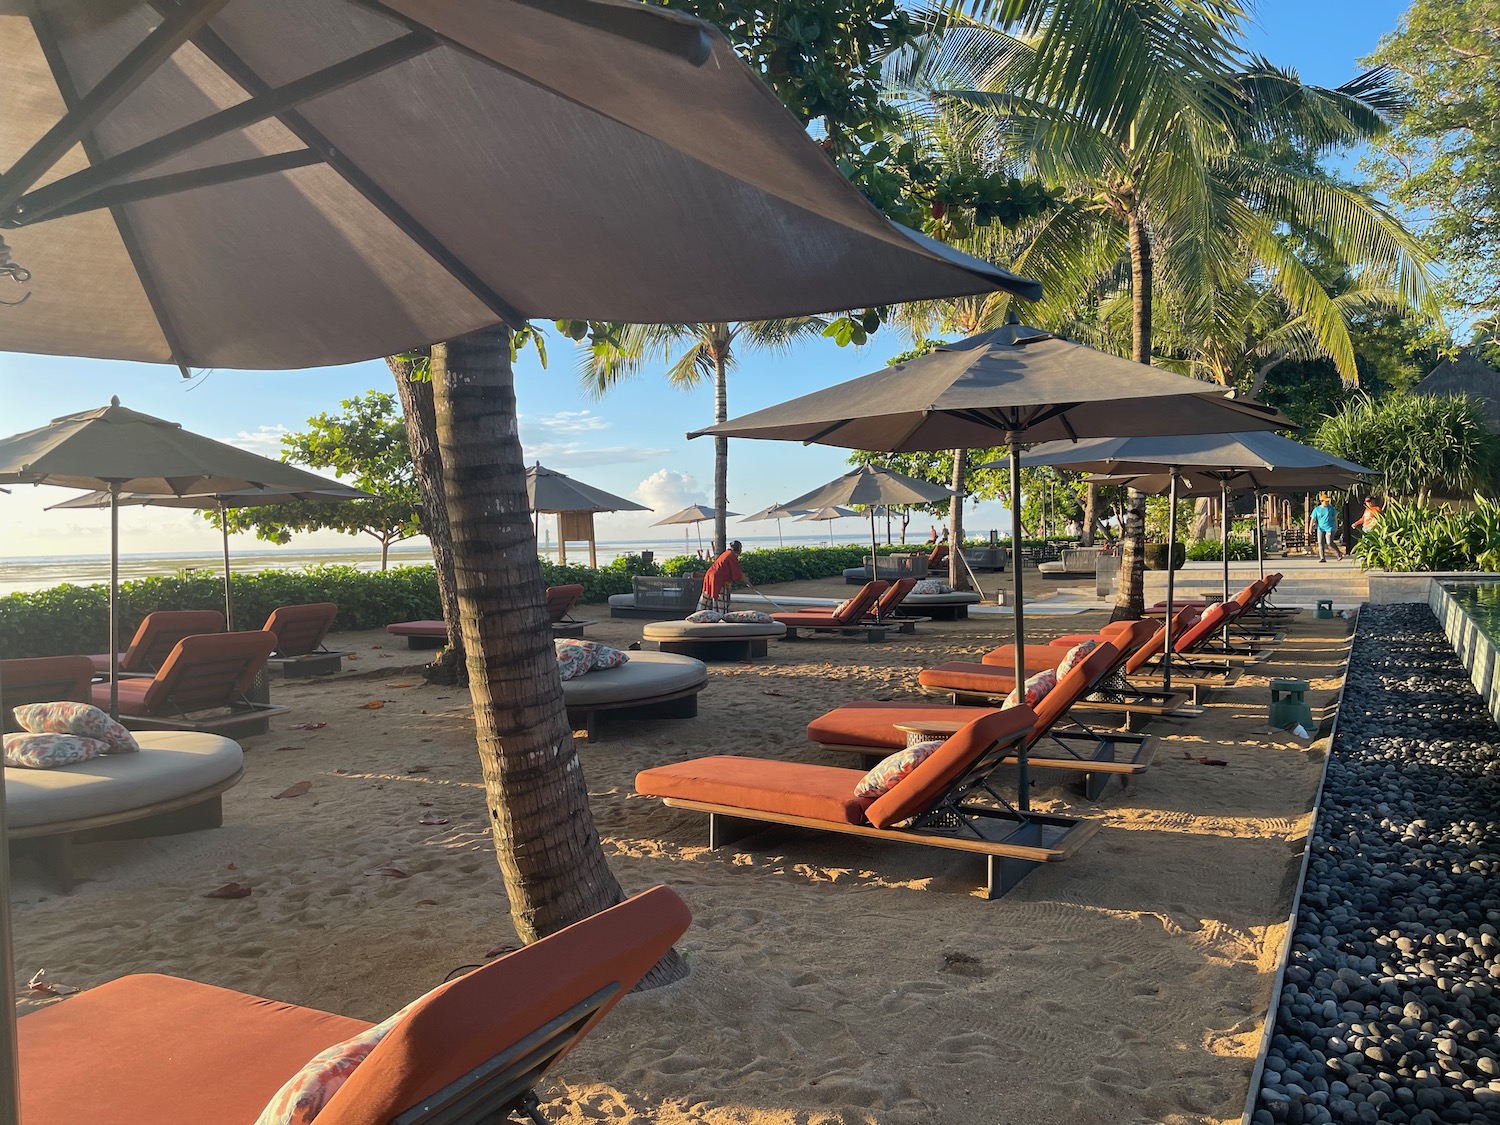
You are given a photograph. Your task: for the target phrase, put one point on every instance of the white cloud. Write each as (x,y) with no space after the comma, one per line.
(666,491)
(266,441)
(565,421)
(566,455)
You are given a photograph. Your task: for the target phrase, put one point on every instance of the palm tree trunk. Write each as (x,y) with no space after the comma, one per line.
(720,354)
(1130,595)
(958,578)
(422,438)
(549,851)
(1090,516)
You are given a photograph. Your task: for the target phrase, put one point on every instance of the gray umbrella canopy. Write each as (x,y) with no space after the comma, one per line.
(831,512)
(693,514)
(550,491)
(874,488)
(774,512)
(221,502)
(252,184)
(973,393)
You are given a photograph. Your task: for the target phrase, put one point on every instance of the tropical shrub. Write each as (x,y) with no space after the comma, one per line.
(1207,550)
(1156,556)
(1408,537)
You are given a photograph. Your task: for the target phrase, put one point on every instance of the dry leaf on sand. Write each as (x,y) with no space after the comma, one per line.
(230,890)
(389,869)
(294,790)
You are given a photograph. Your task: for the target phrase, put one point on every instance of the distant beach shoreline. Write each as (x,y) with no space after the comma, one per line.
(42,572)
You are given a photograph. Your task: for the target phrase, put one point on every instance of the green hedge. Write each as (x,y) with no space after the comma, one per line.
(70,619)
(1207,550)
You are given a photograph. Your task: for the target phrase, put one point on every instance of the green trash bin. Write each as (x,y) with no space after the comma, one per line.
(1325,609)
(1289,705)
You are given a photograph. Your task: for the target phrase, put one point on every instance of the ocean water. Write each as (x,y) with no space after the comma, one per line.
(45,571)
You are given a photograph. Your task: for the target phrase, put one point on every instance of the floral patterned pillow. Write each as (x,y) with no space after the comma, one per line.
(1036,687)
(749,617)
(601,656)
(931,586)
(1076,656)
(307,1092)
(572,659)
(842,608)
(83,719)
(893,770)
(705,617)
(48,751)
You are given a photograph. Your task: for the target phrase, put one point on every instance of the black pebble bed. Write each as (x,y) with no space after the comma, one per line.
(1391,1001)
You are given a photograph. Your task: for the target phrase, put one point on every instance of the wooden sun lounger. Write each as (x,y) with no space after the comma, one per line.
(875,728)
(471,1051)
(300,631)
(850,621)
(158,634)
(948,801)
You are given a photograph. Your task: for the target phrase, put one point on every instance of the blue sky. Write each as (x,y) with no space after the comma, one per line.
(631,443)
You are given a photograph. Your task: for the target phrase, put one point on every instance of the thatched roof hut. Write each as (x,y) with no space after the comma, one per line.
(1470,375)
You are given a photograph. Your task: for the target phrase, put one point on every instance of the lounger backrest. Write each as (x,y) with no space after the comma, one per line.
(211,670)
(560,986)
(1138,659)
(1074,686)
(1135,636)
(42,679)
(860,603)
(1250,594)
(160,632)
(300,629)
(894,595)
(1194,635)
(937,555)
(925,785)
(560,599)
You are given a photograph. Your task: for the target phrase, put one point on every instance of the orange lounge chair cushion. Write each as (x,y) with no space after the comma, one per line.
(300,629)
(872,723)
(965,675)
(922,788)
(243,1047)
(761,785)
(846,613)
(132,695)
(1038,657)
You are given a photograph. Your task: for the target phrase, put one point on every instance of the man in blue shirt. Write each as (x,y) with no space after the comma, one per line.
(1325,518)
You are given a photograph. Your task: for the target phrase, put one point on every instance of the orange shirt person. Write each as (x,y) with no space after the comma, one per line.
(720,579)
(1371,514)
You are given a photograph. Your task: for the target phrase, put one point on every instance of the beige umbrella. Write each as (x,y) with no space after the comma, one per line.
(693,514)
(827,515)
(282,186)
(777,512)
(873,488)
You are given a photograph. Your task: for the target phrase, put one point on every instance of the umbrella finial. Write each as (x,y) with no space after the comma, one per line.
(114,400)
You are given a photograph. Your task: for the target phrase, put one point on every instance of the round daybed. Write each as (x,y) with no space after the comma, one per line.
(173,785)
(714,640)
(941,607)
(651,685)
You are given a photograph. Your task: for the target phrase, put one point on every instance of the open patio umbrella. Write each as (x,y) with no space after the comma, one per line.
(220,502)
(1009,386)
(257,186)
(693,514)
(777,512)
(1250,461)
(827,515)
(550,491)
(123,451)
(874,488)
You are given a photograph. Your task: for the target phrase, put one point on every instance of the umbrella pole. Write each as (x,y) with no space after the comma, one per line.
(1166,665)
(1224,543)
(1013,438)
(1260,552)
(114,599)
(228,581)
(874,559)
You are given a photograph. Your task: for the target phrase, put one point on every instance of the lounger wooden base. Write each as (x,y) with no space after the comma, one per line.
(312,664)
(237,722)
(569,628)
(711,649)
(873,634)
(677,705)
(50,846)
(1013,846)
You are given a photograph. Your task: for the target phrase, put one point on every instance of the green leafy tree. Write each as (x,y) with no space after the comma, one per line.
(366,446)
(1440,161)
(1421,444)
(692,355)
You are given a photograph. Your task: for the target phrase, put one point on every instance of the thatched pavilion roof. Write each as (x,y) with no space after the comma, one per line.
(1466,374)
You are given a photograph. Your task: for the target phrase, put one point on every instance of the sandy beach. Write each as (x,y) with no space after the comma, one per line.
(833,980)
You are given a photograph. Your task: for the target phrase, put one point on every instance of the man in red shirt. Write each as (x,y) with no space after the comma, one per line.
(721,576)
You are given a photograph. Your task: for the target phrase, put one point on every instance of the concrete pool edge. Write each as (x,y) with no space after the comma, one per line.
(1476,651)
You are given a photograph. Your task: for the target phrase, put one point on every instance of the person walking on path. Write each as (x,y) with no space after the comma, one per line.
(720,579)
(1371,514)
(1325,520)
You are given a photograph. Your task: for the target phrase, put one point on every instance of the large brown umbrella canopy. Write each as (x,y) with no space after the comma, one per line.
(873,488)
(293,183)
(1012,385)
(550,491)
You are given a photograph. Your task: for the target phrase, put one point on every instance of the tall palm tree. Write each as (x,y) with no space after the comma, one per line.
(707,351)
(1166,139)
